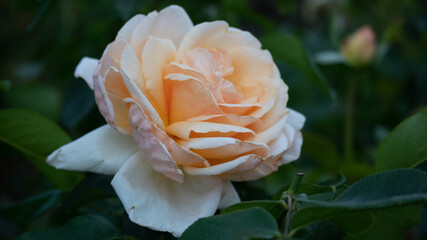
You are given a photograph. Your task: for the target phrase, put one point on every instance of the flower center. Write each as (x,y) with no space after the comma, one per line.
(211,67)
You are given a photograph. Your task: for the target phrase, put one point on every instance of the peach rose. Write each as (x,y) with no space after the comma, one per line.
(188,108)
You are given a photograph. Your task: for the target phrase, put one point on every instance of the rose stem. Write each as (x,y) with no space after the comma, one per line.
(293,188)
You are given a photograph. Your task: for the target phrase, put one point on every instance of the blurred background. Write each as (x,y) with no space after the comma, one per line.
(351,102)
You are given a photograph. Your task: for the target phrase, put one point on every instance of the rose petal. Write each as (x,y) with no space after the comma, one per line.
(270,133)
(126,32)
(156,202)
(189,98)
(180,154)
(109,94)
(177,68)
(172,23)
(103,150)
(287,143)
(295,119)
(229,195)
(202,60)
(230,119)
(263,169)
(85,70)
(223,148)
(278,110)
(264,108)
(187,129)
(243,163)
(141,33)
(155,151)
(142,100)
(131,66)
(251,63)
(238,109)
(157,53)
(294,151)
(111,57)
(217,34)
(278,147)
(260,88)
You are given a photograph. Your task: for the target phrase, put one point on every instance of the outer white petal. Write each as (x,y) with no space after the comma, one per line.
(229,195)
(295,119)
(156,202)
(85,70)
(294,151)
(103,150)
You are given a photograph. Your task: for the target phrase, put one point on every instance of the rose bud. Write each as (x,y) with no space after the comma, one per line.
(359,48)
(189,109)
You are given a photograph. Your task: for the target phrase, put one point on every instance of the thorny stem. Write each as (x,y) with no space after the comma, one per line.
(293,188)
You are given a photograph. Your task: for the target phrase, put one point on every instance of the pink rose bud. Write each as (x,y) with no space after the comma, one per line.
(359,48)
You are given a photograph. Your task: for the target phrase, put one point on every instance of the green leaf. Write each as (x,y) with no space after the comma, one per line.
(290,50)
(405,146)
(328,186)
(39,98)
(243,224)
(89,227)
(384,190)
(325,230)
(390,224)
(276,208)
(355,224)
(32,207)
(36,137)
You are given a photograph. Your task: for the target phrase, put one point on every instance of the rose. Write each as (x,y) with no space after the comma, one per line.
(359,48)
(189,108)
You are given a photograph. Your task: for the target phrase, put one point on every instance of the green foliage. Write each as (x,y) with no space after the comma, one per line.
(363,199)
(289,49)
(252,223)
(89,227)
(276,208)
(40,98)
(405,146)
(31,207)
(390,224)
(90,189)
(36,137)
